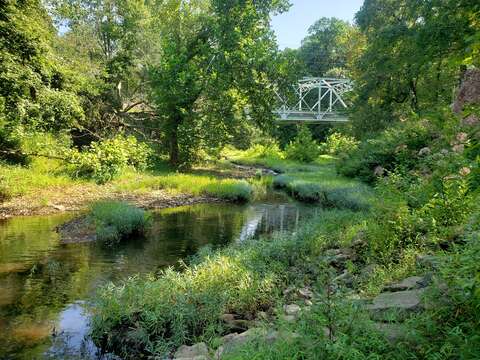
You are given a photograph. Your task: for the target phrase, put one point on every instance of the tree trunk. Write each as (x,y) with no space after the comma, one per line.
(174,151)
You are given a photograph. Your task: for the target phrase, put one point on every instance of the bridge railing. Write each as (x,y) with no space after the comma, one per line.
(316,99)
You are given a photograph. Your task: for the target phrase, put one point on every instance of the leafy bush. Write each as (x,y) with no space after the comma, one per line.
(396,147)
(303,148)
(55,110)
(337,143)
(260,151)
(103,160)
(10,147)
(115,221)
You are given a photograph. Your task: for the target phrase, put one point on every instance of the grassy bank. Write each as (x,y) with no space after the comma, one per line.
(154,316)
(316,182)
(35,188)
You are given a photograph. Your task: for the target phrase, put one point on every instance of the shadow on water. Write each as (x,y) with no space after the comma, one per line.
(44,284)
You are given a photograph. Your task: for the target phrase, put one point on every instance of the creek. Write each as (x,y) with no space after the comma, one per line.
(45,284)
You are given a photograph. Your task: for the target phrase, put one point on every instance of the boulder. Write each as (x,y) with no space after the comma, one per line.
(289,318)
(345,278)
(469,92)
(269,336)
(292,309)
(232,341)
(400,303)
(305,293)
(411,283)
(195,352)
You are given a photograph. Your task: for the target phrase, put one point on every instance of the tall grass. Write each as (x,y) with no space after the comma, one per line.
(115,221)
(197,185)
(151,316)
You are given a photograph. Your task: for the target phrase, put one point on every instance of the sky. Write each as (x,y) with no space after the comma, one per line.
(292,27)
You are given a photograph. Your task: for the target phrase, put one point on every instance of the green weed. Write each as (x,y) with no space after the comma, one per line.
(115,221)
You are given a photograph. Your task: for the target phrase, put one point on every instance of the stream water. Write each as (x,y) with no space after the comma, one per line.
(45,284)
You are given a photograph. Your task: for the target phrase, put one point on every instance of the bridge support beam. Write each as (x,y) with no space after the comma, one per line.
(311,93)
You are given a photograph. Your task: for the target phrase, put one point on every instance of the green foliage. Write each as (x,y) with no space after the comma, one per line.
(397,147)
(233,190)
(201,95)
(327,46)
(153,315)
(115,221)
(303,148)
(337,143)
(55,110)
(407,63)
(10,148)
(103,160)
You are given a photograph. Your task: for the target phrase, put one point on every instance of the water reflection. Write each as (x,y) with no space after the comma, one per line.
(43,282)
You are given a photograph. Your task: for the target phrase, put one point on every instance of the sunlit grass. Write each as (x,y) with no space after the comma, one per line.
(115,221)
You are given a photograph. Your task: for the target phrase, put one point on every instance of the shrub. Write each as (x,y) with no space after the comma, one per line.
(303,148)
(115,221)
(337,143)
(397,147)
(269,151)
(10,147)
(103,160)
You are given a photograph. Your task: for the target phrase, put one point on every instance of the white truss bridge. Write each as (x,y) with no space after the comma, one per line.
(315,100)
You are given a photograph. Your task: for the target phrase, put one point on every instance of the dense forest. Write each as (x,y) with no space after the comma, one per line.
(124,99)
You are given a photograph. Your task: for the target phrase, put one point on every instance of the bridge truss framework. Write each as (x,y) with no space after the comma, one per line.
(316,100)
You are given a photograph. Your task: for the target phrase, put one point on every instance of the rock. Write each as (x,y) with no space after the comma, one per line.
(262,315)
(292,309)
(379,171)
(346,278)
(232,341)
(428,261)
(471,120)
(288,290)
(59,207)
(469,92)
(305,293)
(401,303)
(227,318)
(424,151)
(195,352)
(367,271)
(333,252)
(413,282)
(239,325)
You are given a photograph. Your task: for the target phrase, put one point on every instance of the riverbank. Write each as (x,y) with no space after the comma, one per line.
(357,279)
(41,191)
(228,291)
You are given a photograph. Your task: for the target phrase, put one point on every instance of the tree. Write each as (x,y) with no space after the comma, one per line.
(327,46)
(215,67)
(412,59)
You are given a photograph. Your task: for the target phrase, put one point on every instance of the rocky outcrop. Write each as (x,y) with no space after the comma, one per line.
(469,92)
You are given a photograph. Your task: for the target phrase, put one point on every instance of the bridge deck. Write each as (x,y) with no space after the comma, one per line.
(310,117)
